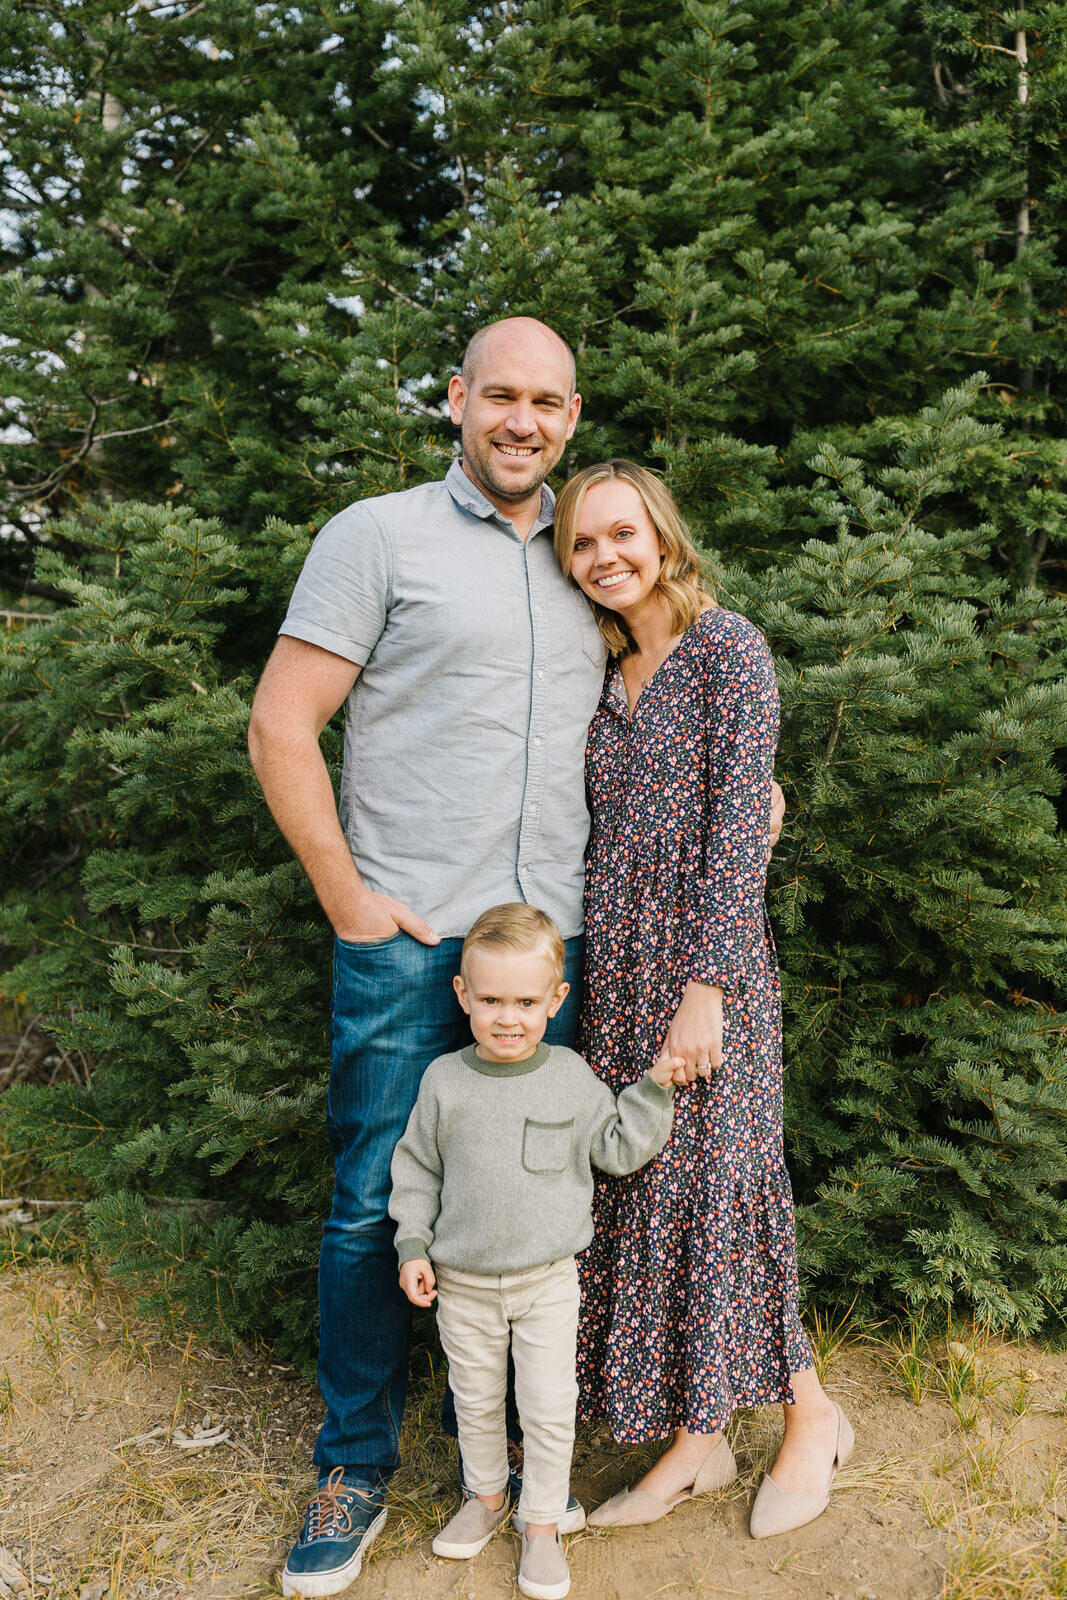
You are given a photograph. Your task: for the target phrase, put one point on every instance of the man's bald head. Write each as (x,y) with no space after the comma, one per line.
(516,406)
(516,332)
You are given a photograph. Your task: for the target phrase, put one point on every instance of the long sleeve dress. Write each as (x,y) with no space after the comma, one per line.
(689,1288)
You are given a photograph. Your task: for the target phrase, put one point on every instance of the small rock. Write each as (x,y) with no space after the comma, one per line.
(161,1545)
(94,1591)
(11,1575)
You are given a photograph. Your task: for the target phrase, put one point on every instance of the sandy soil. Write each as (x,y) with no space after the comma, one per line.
(960,1496)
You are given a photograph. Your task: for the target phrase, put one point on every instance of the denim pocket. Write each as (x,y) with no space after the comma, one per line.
(367,944)
(546,1146)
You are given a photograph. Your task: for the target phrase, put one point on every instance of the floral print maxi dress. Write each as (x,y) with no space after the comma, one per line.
(689,1288)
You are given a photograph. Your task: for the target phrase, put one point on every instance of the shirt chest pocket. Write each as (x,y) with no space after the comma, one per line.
(546,1146)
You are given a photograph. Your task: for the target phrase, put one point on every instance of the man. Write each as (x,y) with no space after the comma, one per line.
(471,669)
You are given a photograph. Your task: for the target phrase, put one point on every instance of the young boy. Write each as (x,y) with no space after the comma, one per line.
(493,1182)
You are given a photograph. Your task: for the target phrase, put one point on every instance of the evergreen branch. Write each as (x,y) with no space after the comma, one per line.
(393,151)
(46,487)
(998,49)
(839,711)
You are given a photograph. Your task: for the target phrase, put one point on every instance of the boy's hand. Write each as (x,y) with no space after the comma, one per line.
(668,1069)
(417,1281)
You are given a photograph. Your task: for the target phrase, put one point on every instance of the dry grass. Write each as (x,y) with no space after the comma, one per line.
(830,1337)
(991,1569)
(95,1495)
(425,1492)
(156,1526)
(89,1498)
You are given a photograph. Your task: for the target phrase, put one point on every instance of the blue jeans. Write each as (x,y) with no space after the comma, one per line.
(394,1010)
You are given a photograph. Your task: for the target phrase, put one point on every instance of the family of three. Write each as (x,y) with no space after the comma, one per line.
(552,731)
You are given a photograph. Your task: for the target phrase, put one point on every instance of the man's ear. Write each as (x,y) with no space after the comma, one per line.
(461,993)
(457,395)
(573,413)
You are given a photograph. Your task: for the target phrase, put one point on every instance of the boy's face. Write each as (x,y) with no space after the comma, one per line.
(509,996)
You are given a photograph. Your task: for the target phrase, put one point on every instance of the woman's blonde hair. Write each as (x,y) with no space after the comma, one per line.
(681,580)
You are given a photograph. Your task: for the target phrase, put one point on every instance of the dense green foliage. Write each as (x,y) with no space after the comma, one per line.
(810,257)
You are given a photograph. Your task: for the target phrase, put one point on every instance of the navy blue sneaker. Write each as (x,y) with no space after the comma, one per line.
(572,1520)
(340,1525)
(514,1472)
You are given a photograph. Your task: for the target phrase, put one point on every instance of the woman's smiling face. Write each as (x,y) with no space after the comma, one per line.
(617,551)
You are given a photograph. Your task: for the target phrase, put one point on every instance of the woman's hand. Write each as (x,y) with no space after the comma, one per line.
(694,1038)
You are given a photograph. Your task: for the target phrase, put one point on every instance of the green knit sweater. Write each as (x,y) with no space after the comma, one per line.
(494,1172)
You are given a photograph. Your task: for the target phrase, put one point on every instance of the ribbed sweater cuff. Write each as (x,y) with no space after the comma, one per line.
(659,1094)
(412,1250)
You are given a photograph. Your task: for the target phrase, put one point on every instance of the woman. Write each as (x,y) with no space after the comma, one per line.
(689,1287)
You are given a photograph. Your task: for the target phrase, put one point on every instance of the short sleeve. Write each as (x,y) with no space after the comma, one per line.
(343,593)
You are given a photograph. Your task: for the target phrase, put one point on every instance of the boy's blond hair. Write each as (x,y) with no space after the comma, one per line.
(516,926)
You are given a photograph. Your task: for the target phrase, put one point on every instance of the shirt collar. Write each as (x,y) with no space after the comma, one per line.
(470,498)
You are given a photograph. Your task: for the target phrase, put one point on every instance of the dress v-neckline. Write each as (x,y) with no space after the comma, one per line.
(630,711)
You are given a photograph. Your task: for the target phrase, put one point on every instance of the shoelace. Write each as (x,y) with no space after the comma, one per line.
(515,1456)
(328,1506)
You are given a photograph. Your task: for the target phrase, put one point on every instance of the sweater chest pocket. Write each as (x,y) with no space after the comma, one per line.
(546,1146)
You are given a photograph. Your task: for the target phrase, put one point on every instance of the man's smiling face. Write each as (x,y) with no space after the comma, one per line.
(516,410)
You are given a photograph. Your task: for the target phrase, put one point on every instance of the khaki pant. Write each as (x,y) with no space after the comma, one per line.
(537,1312)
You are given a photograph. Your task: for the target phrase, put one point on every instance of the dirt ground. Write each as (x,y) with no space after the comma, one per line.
(110,1485)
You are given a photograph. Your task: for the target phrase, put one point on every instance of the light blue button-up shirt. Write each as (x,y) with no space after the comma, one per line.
(463,782)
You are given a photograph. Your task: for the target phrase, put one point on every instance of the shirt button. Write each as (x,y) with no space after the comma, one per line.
(540,674)
(533,805)
(537,611)
(537,742)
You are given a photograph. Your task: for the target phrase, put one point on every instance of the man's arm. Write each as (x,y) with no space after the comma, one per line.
(299,692)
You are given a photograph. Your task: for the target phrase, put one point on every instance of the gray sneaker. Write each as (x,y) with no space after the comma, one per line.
(470,1530)
(543,1570)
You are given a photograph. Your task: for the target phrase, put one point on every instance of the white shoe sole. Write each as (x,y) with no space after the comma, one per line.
(313,1584)
(460,1552)
(544,1591)
(569,1522)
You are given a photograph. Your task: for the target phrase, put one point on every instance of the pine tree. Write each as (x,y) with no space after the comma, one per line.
(784,241)
(920,901)
(992,135)
(172,170)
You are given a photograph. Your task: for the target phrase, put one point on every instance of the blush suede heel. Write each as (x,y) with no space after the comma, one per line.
(775,1511)
(632,1507)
